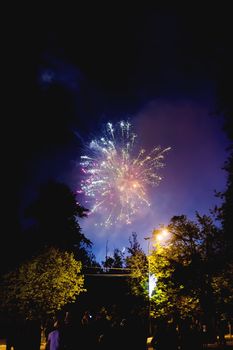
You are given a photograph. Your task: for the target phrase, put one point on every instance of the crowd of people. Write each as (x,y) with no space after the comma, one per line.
(101,331)
(104,329)
(189,334)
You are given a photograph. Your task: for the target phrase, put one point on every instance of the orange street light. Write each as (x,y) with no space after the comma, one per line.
(162,234)
(157,235)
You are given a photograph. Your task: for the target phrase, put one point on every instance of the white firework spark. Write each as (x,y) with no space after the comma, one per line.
(114,178)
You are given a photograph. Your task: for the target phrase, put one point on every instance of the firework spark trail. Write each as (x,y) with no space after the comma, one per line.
(114,178)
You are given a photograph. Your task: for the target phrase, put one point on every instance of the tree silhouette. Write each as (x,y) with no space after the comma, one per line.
(225,109)
(136,260)
(226,209)
(55,213)
(115,261)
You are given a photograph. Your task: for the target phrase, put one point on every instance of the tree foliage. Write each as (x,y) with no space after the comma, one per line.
(170,296)
(222,284)
(190,276)
(187,268)
(42,286)
(136,261)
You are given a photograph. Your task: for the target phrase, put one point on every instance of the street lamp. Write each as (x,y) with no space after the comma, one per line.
(158,235)
(149,289)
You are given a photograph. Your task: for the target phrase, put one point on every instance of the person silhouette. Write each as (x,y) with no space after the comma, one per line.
(54,337)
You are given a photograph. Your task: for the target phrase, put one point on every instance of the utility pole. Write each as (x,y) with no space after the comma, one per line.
(149,302)
(157,234)
(106,255)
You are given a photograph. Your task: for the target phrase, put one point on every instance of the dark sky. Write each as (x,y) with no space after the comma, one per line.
(71,72)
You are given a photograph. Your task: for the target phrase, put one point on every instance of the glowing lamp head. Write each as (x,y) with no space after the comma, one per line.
(164,232)
(161,234)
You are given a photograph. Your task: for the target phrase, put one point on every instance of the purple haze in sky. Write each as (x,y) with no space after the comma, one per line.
(192,173)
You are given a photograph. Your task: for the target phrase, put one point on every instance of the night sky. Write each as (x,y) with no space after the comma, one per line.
(158,67)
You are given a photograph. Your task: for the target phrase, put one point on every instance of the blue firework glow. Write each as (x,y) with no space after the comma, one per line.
(116,177)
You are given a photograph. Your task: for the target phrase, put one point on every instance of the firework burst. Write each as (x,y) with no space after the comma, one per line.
(116,177)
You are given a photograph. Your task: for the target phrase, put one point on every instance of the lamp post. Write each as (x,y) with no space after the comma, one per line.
(149,302)
(159,235)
